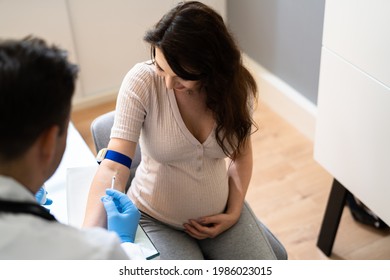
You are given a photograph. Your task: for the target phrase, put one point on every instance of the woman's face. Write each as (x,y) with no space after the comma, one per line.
(172,81)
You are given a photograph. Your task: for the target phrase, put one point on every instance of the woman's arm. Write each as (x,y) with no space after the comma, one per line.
(95,214)
(240,173)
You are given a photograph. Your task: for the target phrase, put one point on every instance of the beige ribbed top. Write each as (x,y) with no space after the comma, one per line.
(179,178)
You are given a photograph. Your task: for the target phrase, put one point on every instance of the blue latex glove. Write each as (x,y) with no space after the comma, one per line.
(122,215)
(41,197)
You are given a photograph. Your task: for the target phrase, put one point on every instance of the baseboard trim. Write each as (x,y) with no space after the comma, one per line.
(283,99)
(82,103)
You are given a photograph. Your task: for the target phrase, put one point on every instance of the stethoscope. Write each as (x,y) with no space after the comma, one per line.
(32,208)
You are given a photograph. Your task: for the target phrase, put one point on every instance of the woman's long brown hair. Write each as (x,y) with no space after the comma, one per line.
(198,46)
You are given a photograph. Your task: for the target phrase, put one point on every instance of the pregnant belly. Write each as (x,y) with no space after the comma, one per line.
(175,204)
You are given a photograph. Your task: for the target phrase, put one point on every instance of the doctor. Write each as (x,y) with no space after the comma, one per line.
(36,87)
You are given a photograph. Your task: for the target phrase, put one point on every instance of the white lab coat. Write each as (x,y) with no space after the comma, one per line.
(26,236)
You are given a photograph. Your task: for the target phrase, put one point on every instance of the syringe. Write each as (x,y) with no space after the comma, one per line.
(113,182)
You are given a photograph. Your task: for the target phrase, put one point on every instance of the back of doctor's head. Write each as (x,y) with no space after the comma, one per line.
(36,87)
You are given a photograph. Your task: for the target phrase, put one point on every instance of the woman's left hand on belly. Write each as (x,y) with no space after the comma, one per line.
(210,226)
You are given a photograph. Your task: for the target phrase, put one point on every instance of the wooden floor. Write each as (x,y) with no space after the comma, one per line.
(288,191)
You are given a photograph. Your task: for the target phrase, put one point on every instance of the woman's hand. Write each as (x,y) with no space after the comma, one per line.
(210,226)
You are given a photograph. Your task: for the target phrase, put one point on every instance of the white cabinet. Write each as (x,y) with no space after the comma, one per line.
(359,32)
(353,131)
(353,123)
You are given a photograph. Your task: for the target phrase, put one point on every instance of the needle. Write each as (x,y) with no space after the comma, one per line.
(112,182)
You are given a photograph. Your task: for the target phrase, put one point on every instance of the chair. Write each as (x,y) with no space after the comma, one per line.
(101,129)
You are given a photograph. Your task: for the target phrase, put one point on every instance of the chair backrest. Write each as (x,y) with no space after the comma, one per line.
(101,130)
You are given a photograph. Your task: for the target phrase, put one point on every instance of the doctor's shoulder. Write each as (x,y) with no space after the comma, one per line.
(86,244)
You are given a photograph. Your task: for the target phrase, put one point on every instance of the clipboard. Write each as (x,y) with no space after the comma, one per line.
(78,182)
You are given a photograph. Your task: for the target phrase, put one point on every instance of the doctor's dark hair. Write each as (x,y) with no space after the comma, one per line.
(36,87)
(198,46)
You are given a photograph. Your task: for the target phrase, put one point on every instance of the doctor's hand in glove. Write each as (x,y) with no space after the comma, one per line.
(122,215)
(41,197)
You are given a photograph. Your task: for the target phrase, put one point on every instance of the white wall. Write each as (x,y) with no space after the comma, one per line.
(104,37)
(44,18)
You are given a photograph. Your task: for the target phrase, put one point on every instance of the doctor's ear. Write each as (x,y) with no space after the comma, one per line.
(48,142)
